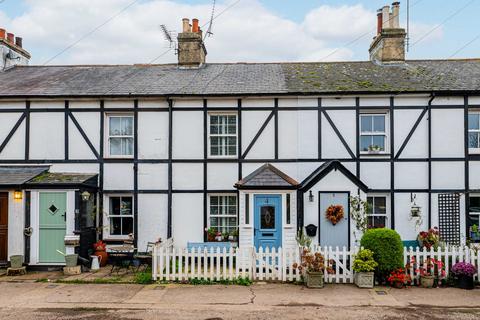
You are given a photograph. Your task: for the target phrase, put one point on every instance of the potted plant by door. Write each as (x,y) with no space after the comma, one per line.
(364,266)
(464,272)
(100,249)
(399,278)
(211,234)
(313,266)
(430,270)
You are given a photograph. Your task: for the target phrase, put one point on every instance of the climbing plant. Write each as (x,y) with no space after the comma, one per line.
(359,212)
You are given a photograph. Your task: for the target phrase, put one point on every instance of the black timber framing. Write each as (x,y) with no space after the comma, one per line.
(135,172)
(66,135)
(25,115)
(392,163)
(27,224)
(357,136)
(276,127)
(170,168)
(319,128)
(339,135)
(259,133)
(205,167)
(84,135)
(467,163)
(101,167)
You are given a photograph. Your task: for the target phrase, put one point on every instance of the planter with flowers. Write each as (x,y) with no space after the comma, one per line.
(312,267)
(429,271)
(429,239)
(100,249)
(364,266)
(399,278)
(464,272)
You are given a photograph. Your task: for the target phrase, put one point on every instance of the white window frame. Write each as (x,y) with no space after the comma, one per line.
(222,216)
(473,150)
(386,133)
(107,134)
(107,216)
(387,207)
(210,135)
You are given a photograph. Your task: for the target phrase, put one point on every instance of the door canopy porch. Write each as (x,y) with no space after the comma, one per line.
(267,177)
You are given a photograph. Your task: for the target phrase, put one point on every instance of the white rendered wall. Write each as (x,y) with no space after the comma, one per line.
(187,135)
(152,219)
(187,222)
(16,222)
(47,135)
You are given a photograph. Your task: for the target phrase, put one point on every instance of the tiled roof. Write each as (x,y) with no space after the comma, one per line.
(267,176)
(15,176)
(242,79)
(54,178)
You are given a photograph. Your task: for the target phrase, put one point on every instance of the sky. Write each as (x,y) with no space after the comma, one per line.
(128,31)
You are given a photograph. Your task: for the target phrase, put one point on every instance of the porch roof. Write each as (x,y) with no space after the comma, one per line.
(16,176)
(63,180)
(267,177)
(325,169)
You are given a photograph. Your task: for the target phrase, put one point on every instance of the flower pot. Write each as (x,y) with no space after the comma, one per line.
(364,279)
(465,282)
(427,281)
(103,257)
(71,260)
(314,279)
(398,285)
(16,261)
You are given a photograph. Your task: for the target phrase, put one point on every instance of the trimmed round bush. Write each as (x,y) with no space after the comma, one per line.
(387,248)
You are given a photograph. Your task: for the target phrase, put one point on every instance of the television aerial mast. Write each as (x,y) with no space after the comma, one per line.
(167,34)
(210,24)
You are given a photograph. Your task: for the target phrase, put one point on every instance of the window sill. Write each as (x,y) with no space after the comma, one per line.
(475,151)
(381,154)
(222,157)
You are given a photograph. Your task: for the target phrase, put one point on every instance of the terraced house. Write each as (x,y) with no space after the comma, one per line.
(262,149)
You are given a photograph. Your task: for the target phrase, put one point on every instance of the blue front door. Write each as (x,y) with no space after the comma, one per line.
(268,221)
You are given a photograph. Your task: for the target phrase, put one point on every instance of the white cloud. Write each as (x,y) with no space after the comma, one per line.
(425,33)
(246,32)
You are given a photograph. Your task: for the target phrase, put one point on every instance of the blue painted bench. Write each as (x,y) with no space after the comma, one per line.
(208,246)
(410,243)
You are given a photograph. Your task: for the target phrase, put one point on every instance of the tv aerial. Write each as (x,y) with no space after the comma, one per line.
(167,34)
(210,24)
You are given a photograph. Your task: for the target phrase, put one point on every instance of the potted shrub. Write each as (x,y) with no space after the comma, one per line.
(313,265)
(100,249)
(16,261)
(399,278)
(464,272)
(430,270)
(364,266)
(474,233)
(429,239)
(233,236)
(387,248)
(211,234)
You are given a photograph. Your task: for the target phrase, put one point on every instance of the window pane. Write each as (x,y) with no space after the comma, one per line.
(473,140)
(365,142)
(213,119)
(114,206)
(126,207)
(376,222)
(115,226)
(115,126)
(127,126)
(379,123)
(267,217)
(379,141)
(115,146)
(127,146)
(366,123)
(473,121)
(127,226)
(474,204)
(213,200)
(380,205)
(214,129)
(370,205)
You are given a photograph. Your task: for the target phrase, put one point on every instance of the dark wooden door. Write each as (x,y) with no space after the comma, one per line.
(3,227)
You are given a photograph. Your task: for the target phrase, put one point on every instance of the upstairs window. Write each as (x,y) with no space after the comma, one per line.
(373,133)
(474,131)
(377,212)
(223,135)
(120,135)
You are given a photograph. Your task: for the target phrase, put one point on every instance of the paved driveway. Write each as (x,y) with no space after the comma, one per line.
(260,301)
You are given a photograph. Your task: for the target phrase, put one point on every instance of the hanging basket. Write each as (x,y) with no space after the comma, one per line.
(334,214)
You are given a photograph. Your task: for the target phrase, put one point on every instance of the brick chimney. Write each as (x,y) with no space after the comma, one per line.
(191,49)
(388,46)
(11,51)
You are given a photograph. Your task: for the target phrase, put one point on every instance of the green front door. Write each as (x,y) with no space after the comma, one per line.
(53,208)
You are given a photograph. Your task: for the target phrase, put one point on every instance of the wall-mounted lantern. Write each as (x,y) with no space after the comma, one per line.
(85,195)
(18,195)
(415,210)
(310,196)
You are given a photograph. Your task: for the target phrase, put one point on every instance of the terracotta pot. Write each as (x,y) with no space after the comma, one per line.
(102,257)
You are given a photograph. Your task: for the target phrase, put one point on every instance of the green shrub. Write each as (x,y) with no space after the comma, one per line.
(144,277)
(387,248)
(364,261)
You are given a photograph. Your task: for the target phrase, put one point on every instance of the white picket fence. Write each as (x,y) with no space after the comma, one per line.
(448,255)
(182,264)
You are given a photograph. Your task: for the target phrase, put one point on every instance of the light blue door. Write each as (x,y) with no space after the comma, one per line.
(330,234)
(268,221)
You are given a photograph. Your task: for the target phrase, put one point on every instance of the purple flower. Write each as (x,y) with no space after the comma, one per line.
(464,268)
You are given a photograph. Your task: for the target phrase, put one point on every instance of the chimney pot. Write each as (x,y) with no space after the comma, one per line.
(186,24)
(379,22)
(19,42)
(2,33)
(395,15)
(386,17)
(10,37)
(195,27)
